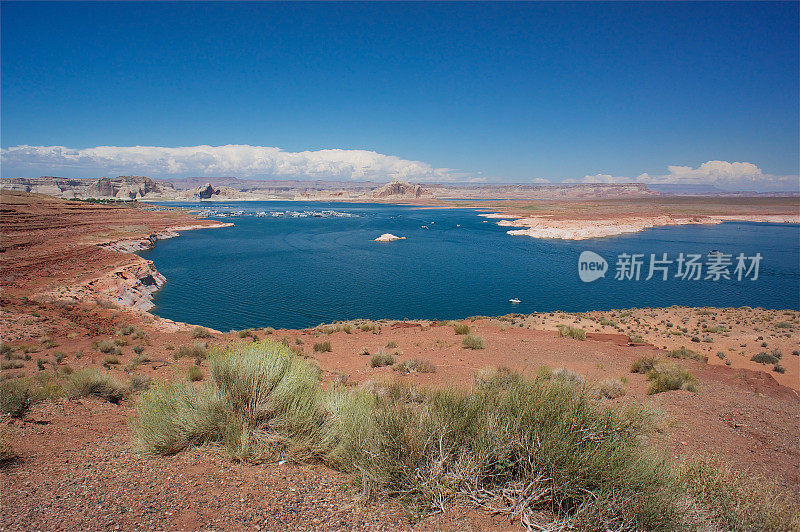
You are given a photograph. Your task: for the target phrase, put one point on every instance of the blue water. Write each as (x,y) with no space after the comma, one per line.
(299,272)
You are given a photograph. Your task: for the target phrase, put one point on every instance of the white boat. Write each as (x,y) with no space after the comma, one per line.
(515,301)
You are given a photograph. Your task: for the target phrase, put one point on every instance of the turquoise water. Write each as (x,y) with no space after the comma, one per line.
(299,272)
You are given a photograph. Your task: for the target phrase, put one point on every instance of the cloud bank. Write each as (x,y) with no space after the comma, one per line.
(230,160)
(723,174)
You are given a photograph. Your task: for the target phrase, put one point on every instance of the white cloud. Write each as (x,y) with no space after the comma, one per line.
(723,174)
(230,160)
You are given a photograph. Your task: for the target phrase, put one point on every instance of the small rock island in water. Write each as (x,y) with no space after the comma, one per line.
(389,237)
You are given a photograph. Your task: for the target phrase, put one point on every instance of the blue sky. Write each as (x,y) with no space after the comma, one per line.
(496,92)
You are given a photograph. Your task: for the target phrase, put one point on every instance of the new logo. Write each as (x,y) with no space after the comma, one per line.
(591,266)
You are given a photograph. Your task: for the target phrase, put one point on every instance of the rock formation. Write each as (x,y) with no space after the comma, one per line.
(389,237)
(122,187)
(401,189)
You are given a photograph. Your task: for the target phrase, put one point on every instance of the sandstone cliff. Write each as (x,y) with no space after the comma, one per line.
(401,189)
(122,187)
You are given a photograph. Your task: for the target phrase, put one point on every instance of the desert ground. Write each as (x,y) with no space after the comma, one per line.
(70,464)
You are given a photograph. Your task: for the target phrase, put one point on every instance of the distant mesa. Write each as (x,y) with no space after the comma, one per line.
(389,237)
(402,189)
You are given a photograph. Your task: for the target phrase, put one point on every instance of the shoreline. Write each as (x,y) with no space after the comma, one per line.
(546,227)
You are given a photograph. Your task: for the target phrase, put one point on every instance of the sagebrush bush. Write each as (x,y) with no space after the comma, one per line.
(472,342)
(571,332)
(194,373)
(91,381)
(201,332)
(461,328)
(765,358)
(322,347)
(415,365)
(666,376)
(261,403)
(610,389)
(643,364)
(682,352)
(380,359)
(197,352)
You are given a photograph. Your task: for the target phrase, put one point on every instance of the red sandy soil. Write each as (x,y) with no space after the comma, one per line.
(76,467)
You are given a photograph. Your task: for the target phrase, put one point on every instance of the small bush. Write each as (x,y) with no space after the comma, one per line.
(461,328)
(783,325)
(194,373)
(667,376)
(643,365)
(682,352)
(110,360)
(59,357)
(11,364)
(201,332)
(105,346)
(15,397)
(197,352)
(472,342)
(261,403)
(322,347)
(571,332)
(778,369)
(391,345)
(610,389)
(568,376)
(765,358)
(138,349)
(126,330)
(139,383)
(380,359)
(415,365)
(47,342)
(98,383)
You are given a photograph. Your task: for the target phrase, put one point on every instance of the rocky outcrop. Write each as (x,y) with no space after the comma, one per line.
(389,237)
(122,187)
(401,189)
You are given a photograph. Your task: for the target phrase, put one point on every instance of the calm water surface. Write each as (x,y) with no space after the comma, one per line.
(299,272)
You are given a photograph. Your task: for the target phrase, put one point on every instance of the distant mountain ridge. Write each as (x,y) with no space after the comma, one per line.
(233,188)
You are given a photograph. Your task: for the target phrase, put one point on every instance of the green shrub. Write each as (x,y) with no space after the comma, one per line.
(322,347)
(197,352)
(682,352)
(261,404)
(91,381)
(126,330)
(643,364)
(610,389)
(11,364)
(472,342)
(380,359)
(778,369)
(201,332)
(571,332)
(109,360)
(391,345)
(106,346)
(783,325)
(666,376)
(139,383)
(765,358)
(15,397)
(47,342)
(461,328)
(194,373)
(415,365)
(568,376)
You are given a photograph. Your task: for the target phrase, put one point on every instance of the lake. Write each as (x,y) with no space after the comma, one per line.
(295,271)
